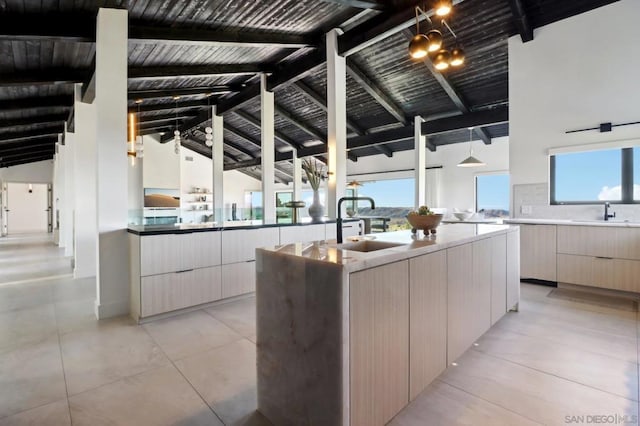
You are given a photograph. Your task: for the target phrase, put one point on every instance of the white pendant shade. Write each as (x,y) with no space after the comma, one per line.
(471,161)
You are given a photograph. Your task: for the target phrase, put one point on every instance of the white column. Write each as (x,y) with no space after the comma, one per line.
(85,189)
(69,194)
(58,193)
(297,177)
(336,122)
(217,151)
(420,147)
(135,199)
(267,129)
(111,152)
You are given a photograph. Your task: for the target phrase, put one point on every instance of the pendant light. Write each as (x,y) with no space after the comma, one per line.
(139,146)
(443,7)
(441,60)
(471,161)
(208,136)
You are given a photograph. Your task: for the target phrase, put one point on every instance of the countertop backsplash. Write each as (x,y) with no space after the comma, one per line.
(630,212)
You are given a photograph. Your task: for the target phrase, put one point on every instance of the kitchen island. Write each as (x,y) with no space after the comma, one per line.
(349,334)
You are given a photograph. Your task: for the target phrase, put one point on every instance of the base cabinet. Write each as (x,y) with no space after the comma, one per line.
(601,272)
(498,277)
(513,270)
(379,343)
(538,249)
(238,278)
(427,320)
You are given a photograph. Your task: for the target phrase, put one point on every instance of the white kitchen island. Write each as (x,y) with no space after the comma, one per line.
(350,337)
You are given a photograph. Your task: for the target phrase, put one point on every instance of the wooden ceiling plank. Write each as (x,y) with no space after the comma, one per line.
(26,160)
(34,120)
(186,91)
(360,4)
(299,123)
(521,20)
(161,72)
(47,132)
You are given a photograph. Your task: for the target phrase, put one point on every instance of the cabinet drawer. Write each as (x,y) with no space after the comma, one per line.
(207,250)
(160,254)
(615,242)
(295,234)
(238,278)
(616,274)
(538,252)
(240,245)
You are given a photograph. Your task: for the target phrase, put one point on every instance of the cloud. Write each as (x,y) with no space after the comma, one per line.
(615,193)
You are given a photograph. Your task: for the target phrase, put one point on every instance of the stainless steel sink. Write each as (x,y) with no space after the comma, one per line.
(369,245)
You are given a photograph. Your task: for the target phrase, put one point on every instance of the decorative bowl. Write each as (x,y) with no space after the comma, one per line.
(463,215)
(428,223)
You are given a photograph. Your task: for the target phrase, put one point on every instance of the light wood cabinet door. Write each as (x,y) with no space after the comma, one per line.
(238,278)
(573,269)
(513,270)
(538,251)
(482,261)
(379,343)
(240,245)
(160,254)
(206,286)
(601,272)
(600,241)
(206,249)
(498,277)
(165,292)
(427,320)
(305,233)
(460,309)
(627,275)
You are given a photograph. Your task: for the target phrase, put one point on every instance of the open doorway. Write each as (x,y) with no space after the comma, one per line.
(27,208)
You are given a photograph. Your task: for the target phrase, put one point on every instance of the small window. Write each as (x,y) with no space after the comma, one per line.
(492,195)
(591,177)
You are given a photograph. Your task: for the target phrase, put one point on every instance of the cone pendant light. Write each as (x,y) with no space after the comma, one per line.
(471,161)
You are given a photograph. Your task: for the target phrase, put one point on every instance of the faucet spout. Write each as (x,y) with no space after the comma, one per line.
(339,216)
(607,215)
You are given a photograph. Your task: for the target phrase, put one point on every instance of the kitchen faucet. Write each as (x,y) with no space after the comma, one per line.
(339,219)
(607,216)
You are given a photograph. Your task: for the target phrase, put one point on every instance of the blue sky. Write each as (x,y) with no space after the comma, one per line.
(493,192)
(582,176)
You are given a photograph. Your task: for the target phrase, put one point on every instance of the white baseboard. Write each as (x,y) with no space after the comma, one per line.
(110,310)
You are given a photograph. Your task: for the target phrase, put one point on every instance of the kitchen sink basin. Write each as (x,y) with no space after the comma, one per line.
(369,245)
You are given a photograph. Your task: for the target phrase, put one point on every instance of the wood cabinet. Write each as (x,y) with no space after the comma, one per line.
(498,277)
(427,320)
(459,300)
(538,251)
(238,278)
(379,343)
(295,234)
(600,241)
(239,245)
(166,253)
(602,272)
(513,270)
(207,250)
(481,289)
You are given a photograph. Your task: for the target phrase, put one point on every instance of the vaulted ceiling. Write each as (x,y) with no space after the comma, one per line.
(212,51)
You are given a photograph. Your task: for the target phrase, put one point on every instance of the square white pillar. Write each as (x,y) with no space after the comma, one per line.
(84,136)
(69,194)
(420,150)
(111,154)
(297,177)
(217,154)
(336,122)
(267,131)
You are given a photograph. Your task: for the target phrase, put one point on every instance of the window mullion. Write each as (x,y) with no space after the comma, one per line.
(627,175)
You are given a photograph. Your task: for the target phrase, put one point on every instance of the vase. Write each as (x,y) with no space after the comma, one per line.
(316,209)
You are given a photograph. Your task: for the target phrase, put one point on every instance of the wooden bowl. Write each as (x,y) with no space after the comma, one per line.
(428,223)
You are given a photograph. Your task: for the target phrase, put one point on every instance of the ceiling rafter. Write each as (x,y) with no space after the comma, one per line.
(360,4)
(172,71)
(256,123)
(167,119)
(378,94)
(521,20)
(25,160)
(19,104)
(299,123)
(47,132)
(170,106)
(35,120)
(186,91)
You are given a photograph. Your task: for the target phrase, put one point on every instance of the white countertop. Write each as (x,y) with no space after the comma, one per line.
(411,246)
(579,222)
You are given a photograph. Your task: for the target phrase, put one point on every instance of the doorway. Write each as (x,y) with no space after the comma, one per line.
(27,208)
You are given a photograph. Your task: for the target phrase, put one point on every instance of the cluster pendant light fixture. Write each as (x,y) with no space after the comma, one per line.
(471,161)
(431,43)
(135,147)
(208,131)
(176,133)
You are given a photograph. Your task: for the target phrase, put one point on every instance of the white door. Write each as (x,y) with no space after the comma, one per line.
(27,208)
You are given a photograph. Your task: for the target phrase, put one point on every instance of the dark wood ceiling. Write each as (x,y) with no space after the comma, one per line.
(210,51)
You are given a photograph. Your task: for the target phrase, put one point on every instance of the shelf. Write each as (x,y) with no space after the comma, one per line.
(200,193)
(198,202)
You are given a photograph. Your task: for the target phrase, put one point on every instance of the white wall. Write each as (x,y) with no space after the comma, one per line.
(161,164)
(38,172)
(456,184)
(576,73)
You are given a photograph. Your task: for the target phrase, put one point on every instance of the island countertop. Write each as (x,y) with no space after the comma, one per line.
(408,245)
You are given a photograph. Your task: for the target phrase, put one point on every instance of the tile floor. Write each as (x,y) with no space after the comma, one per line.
(551,363)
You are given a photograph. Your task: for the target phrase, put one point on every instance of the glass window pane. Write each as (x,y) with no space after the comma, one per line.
(492,195)
(589,176)
(636,174)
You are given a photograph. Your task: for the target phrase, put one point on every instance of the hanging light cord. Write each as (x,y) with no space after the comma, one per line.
(450,30)
(423,13)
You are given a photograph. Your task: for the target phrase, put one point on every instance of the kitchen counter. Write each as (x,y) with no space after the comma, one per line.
(184,228)
(411,245)
(579,222)
(346,337)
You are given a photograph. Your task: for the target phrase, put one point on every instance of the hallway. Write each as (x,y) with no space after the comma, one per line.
(26,257)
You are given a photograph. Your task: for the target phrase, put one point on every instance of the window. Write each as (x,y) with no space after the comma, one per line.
(636,174)
(492,195)
(595,176)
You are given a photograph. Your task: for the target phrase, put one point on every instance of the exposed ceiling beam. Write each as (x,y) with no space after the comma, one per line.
(25,146)
(451,91)
(360,4)
(7,105)
(244,136)
(187,91)
(35,151)
(26,160)
(43,77)
(521,20)
(47,132)
(296,121)
(67,27)
(169,106)
(160,72)
(33,121)
(379,95)
(380,27)
(167,119)
(278,135)
(473,119)
(140,33)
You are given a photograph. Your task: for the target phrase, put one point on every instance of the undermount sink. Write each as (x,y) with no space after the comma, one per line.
(369,245)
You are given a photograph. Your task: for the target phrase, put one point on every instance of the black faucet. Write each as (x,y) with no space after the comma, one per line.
(339,219)
(608,216)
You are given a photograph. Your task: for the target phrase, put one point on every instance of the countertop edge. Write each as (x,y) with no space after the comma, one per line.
(569,222)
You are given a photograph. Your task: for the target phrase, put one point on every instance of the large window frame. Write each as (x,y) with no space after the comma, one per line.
(491,173)
(626,180)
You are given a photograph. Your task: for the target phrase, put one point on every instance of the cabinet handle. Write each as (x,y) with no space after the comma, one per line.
(249,261)
(604,257)
(184,270)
